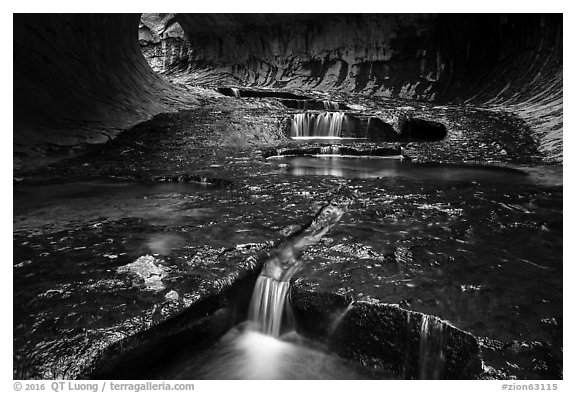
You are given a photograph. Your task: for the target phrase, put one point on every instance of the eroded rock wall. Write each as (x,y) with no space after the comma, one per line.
(81,78)
(163,42)
(505,62)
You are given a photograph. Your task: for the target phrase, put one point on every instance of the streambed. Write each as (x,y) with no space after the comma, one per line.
(478,246)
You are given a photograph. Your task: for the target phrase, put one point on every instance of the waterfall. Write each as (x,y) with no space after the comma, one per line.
(317,125)
(269,307)
(236,92)
(325,150)
(331,105)
(339,318)
(432,343)
(367,132)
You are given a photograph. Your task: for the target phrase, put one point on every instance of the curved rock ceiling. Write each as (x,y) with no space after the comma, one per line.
(81,78)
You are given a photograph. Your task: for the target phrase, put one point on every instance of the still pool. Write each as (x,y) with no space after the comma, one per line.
(374,167)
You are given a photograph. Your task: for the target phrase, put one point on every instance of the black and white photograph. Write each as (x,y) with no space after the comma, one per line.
(208,196)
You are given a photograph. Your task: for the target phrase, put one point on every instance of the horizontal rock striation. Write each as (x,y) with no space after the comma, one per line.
(82,78)
(504,62)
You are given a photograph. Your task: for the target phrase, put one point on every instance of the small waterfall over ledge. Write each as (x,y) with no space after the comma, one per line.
(327,124)
(269,306)
(432,347)
(329,150)
(331,105)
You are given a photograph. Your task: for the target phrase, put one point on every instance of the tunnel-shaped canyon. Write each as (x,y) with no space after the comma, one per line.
(378,193)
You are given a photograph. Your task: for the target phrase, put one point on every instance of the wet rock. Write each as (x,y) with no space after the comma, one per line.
(149,269)
(366,149)
(256,93)
(82,286)
(285,261)
(187,178)
(172,296)
(413,129)
(521,360)
(364,65)
(149,353)
(403,255)
(384,336)
(311,104)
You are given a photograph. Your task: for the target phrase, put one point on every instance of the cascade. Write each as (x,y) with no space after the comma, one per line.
(325,150)
(339,318)
(236,92)
(269,306)
(317,125)
(367,131)
(432,343)
(331,105)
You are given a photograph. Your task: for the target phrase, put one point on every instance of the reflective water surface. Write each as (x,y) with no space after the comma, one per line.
(479,246)
(372,167)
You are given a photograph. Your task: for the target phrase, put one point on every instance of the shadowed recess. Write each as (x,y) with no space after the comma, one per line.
(83,78)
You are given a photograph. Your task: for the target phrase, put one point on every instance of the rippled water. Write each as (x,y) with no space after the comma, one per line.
(479,246)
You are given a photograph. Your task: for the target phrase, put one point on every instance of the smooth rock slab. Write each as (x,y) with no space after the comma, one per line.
(385,336)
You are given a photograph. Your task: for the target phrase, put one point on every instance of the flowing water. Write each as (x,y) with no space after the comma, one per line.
(432,347)
(267,347)
(245,353)
(331,105)
(313,125)
(269,307)
(326,150)
(479,246)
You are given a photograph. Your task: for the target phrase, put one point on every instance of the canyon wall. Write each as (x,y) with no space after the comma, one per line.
(83,78)
(505,62)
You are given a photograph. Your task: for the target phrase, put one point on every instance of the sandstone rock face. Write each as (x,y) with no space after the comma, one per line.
(101,269)
(410,56)
(163,42)
(385,336)
(511,63)
(82,78)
